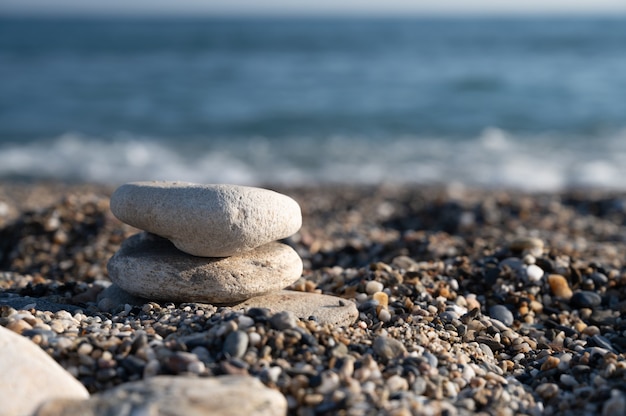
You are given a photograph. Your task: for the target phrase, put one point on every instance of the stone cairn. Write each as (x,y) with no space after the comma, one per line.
(215,244)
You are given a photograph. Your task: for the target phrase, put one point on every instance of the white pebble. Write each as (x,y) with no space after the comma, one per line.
(384,315)
(534,273)
(254,338)
(360,297)
(373,286)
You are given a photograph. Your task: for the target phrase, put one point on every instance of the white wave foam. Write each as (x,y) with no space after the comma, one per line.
(493,159)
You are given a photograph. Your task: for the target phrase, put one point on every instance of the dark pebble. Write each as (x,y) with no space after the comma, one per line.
(599,279)
(620,343)
(307,338)
(327,407)
(133,365)
(139,342)
(502,314)
(368,306)
(315,381)
(602,342)
(236,344)
(594,351)
(569,332)
(604,317)
(490,342)
(580,369)
(448,316)
(585,299)
(179,361)
(283,320)
(259,314)
(105,374)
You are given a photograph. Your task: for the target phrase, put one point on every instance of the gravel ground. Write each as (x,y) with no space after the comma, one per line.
(470,301)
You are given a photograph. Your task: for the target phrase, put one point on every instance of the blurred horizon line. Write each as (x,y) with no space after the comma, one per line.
(311,16)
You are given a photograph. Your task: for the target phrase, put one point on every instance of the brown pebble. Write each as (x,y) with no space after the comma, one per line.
(400,412)
(559,286)
(523,309)
(536,306)
(547,390)
(382,298)
(591,330)
(551,362)
(580,326)
(313,399)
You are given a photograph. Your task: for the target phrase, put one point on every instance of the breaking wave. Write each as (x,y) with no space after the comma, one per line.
(494,158)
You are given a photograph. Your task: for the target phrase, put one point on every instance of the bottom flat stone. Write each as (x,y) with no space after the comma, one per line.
(325,308)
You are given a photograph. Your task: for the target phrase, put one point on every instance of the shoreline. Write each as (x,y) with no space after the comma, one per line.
(436,253)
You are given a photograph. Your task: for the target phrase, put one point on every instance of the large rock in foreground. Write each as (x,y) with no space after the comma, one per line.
(207,220)
(29,376)
(151,267)
(171,395)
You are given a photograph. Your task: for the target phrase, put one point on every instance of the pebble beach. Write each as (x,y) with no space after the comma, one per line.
(470,301)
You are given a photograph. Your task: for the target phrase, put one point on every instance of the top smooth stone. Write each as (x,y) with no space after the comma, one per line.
(207,220)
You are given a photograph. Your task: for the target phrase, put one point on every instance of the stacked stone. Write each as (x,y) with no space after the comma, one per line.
(204,243)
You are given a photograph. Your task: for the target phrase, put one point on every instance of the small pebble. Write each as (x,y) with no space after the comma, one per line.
(388,348)
(236,344)
(533,246)
(534,273)
(585,299)
(602,342)
(568,380)
(547,390)
(254,339)
(381,298)
(283,320)
(373,286)
(551,362)
(397,383)
(559,286)
(502,314)
(384,315)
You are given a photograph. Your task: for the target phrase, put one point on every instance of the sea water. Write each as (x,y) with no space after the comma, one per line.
(532,103)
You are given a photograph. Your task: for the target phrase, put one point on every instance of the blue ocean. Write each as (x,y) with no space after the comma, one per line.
(530,103)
